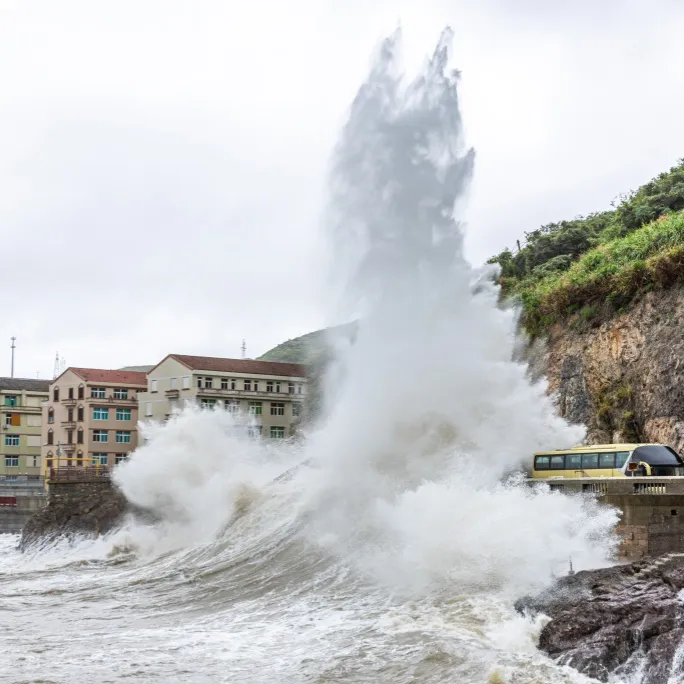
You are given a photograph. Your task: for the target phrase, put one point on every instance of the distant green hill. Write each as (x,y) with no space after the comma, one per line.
(311,348)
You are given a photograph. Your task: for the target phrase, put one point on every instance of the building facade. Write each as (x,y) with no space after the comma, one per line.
(90,417)
(20,427)
(269,393)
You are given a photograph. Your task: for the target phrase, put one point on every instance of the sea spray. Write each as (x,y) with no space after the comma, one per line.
(408,478)
(433,411)
(198,470)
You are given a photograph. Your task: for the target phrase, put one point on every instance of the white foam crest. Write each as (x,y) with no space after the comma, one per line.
(433,411)
(196,472)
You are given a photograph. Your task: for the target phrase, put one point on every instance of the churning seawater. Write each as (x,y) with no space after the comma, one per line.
(394,552)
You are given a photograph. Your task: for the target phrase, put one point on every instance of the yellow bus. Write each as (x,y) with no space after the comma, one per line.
(608,460)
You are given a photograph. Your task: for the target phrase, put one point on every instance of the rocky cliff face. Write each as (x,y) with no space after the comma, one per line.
(623,378)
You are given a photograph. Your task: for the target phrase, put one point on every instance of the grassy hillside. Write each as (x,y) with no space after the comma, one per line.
(311,348)
(595,265)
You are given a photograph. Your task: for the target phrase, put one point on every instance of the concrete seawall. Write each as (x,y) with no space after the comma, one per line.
(652,522)
(18,502)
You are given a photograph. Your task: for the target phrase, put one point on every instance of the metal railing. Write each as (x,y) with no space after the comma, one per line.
(76,474)
(615,486)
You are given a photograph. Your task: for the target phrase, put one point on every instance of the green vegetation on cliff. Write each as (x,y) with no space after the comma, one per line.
(596,265)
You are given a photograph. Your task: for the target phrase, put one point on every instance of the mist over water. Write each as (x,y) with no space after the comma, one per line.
(393,548)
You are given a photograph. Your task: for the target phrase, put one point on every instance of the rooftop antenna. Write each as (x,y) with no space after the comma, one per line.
(244,349)
(59,366)
(12,347)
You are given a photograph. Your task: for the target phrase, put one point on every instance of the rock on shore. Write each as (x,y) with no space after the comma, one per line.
(617,621)
(96,510)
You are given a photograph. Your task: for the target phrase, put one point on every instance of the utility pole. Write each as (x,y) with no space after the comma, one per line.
(13,347)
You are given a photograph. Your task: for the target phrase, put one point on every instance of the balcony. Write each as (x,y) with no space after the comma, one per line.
(67,448)
(69,402)
(68,424)
(172,393)
(248,394)
(130,399)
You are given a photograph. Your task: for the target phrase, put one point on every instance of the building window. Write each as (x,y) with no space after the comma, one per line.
(207,403)
(277,409)
(70,415)
(70,436)
(120,393)
(80,414)
(296,409)
(81,392)
(11,461)
(277,387)
(120,458)
(48,463)
(232,406)
(224,383)
(79,436)
(71,392)
(10,400)
(255,408)
(13,419)
(254,431)
(269,385)
(51,416)
(277,432)
(79,462)
(205,382)
(248,385)
(12,440)
(174,383)
(36,462)
(98,393)
(100,435)
(233,384)
(50,437)
(186,382)
(256,385)
(290,388)
(123,436)
(99,459)
(55,394)
(123,414)
(148,409)
(100,413)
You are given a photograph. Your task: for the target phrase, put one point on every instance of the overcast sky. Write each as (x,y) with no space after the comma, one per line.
(162,162)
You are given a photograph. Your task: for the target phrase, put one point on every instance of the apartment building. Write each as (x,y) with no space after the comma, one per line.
(90,417)
(20,427)
(270,392)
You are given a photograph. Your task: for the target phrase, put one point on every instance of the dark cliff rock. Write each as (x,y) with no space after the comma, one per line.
(617,621)
(87,510)
(623,379)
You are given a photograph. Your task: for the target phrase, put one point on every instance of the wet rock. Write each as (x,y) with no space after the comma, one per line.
(616,621)
(84,510)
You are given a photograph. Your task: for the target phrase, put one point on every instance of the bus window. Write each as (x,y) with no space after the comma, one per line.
(589,461)
(606,461)
(621,458)
(541,462)
(573,461)
(557,463)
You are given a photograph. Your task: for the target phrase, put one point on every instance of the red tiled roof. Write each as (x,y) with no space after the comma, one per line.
(210,363)
(117,377)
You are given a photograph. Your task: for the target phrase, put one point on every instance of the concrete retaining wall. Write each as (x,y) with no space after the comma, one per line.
(652,522)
